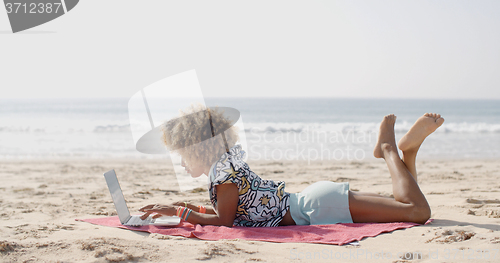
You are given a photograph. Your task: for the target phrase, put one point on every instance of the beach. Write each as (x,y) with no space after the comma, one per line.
(40,200)
(54,154)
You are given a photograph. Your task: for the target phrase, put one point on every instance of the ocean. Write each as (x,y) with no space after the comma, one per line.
(276,129)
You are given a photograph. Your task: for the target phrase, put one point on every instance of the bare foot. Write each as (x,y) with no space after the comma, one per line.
(424,126)
(386,136)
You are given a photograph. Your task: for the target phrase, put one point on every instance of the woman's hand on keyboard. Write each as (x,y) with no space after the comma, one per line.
(160,210)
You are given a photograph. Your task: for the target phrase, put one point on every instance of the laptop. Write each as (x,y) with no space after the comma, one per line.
(123,213)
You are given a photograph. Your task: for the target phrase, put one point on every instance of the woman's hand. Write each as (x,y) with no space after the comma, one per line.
(160,210)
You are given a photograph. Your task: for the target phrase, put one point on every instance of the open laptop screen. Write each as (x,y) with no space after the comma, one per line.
(117,195)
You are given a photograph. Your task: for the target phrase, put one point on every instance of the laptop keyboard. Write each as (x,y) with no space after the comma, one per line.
(137,221)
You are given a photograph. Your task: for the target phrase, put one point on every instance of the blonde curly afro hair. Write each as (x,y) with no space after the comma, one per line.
(191,135)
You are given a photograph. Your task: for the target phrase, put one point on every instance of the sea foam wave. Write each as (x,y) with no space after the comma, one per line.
(267,127)
(112,128)
(65,129)
(402,127)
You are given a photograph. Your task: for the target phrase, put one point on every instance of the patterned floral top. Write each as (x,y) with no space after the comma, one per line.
(261,203)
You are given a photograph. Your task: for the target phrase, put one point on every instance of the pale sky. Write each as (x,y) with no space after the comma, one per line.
(370,49)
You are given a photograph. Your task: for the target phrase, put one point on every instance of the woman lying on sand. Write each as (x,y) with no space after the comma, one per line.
(240,197)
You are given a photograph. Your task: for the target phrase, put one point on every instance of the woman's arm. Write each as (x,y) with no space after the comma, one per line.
(195,208)
(210,211)
(227,203)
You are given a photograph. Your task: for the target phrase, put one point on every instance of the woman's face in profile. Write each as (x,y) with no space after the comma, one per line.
(194,171)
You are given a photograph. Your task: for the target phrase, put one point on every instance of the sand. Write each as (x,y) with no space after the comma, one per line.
(41,199)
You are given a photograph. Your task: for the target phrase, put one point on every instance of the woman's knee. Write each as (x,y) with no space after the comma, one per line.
(421,214)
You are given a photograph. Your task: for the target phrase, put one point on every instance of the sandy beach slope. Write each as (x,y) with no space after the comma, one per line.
(40,200)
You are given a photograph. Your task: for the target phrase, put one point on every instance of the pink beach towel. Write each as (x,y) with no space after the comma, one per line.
(337,234)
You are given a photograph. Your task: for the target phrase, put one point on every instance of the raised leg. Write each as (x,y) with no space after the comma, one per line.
(411,141)
(409,159)
(409,203)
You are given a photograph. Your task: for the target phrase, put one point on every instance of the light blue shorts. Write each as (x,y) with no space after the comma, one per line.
(321,203)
